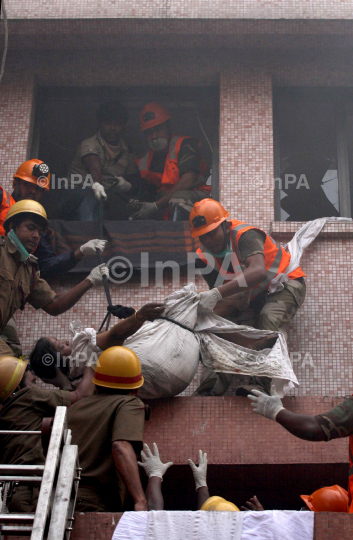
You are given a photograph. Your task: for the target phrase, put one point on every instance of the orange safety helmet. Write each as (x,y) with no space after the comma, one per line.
(205,216)
(327,499)
(153,114)
(34,171)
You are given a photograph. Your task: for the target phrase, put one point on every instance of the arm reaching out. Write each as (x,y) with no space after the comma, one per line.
(200,475)
(155,470)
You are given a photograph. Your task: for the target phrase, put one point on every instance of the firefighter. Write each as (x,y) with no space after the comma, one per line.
(173,165)
(20,280)
(334,424)
(239,258)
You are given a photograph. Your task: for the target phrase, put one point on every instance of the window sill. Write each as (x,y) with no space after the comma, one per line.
(285,230)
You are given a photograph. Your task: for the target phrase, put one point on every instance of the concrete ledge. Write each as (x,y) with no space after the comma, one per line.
(231,433)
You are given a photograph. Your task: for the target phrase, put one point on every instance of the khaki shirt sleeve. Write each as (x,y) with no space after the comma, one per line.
(89,146)
(251,242)
(48,400)
(42,294)
(129,421)
(338,422)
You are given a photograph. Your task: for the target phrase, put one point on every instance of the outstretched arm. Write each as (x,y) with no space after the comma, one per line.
(125,461)
(303,426)
(200,475)
(126,328)
(85,388)
(155,470)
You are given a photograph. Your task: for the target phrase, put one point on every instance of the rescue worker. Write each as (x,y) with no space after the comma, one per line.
(30,181)
(173,165)
(67,365)
(24,410)
(155,471)
(104,167)
(334,424)
(20,282)
(108,429)
(248,261)
(327,499)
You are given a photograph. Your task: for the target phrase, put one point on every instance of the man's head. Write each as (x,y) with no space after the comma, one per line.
(30,181)
(118,370)
(47,354)
(112,117)
(29,221)
(154,122)
(11,373)
(208,222)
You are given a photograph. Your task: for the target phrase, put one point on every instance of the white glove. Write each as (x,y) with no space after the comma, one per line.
(151,463)
(96,275)
(92,245)
(122,186)
(146,211)
(208,300)
(98,190)
(268,406)
(200,472)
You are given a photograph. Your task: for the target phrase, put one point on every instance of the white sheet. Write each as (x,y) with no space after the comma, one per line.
(267,525)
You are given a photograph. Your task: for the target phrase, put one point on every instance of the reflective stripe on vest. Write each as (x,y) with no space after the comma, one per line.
(143,162)
(172,147)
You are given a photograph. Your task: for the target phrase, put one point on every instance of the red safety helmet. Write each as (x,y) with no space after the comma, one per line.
(34,171)
(327,499)
(153,114)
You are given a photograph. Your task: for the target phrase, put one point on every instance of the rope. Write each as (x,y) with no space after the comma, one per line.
(6,40)
(178,324)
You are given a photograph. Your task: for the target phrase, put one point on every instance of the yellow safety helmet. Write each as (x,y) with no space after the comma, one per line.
(218,504)
(11,373)
(118,367)
(26,206)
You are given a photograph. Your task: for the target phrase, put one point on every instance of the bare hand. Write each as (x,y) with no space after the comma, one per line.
(150,312)
(254,505)
(140,506)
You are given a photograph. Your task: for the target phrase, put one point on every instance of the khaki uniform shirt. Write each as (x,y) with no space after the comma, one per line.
(19,283)
(123,164)
(24,411)
(96,422)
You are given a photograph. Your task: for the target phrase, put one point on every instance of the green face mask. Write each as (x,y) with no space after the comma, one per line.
(18,245)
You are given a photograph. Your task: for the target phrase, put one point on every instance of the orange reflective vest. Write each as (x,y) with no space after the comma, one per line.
(170,176)
(276,258)
(350,475)
(6,203)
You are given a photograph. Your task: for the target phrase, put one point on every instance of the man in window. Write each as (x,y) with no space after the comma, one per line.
(104,167)
(244,266)
(173,166)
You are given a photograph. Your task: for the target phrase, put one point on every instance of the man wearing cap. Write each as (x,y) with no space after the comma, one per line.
(108,429)
(22,408)
(248,273)
(173,166)
(104,167)
(334,424)
(20,281)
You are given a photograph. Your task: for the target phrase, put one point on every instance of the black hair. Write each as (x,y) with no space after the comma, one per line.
(19,218)
(112,110)
(43,358)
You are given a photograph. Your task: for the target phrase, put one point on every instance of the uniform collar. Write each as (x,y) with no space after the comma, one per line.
(120,146)
(14,251)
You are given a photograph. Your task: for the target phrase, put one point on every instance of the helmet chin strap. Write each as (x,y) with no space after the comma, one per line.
(226,232)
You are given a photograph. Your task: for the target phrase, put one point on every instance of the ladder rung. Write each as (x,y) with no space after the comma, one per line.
(34,479)
(15,530)
(16,517)
(22,469)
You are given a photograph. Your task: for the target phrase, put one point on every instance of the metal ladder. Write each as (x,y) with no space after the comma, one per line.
(58,480)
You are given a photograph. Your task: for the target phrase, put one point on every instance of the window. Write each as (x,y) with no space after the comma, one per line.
(313,131)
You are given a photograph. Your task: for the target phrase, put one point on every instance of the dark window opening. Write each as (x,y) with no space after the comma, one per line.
(313,132)
(67,116)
